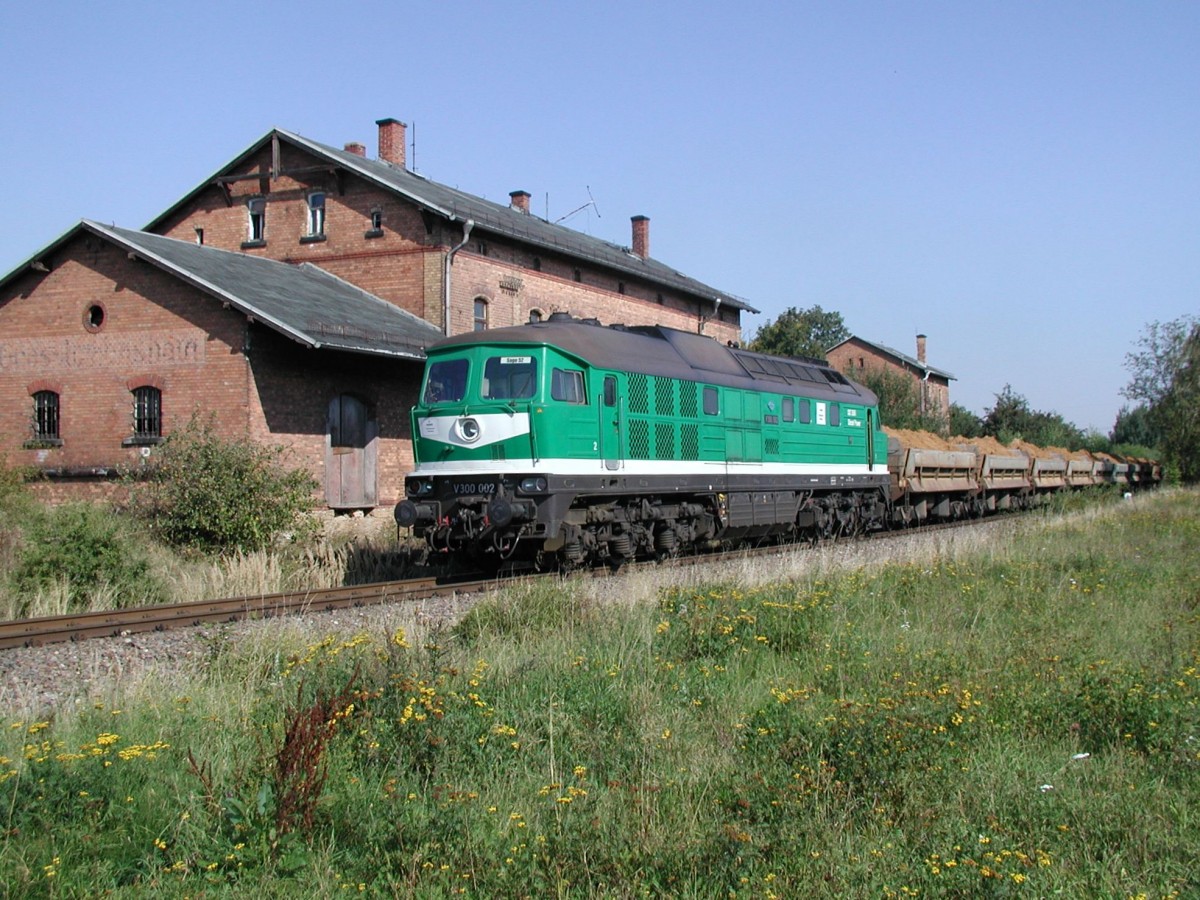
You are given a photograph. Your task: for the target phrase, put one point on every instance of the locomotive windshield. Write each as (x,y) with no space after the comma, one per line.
(447,382)
(509,378)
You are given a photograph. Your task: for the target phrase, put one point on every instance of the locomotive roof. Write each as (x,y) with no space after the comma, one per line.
(671,353)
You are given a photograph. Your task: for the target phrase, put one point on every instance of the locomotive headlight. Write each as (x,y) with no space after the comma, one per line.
(468,430)
(533,485)
(419,487)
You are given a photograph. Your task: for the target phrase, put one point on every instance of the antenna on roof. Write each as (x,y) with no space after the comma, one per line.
(591,202)
(414,146)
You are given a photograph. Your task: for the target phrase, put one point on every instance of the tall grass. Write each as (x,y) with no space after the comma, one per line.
(1009,717)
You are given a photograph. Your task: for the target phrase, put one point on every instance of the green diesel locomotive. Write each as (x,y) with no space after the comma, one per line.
(569,441)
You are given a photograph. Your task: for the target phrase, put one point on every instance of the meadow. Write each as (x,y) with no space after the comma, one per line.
(1016,717)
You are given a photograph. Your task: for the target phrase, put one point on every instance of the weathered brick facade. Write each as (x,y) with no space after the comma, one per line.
(92,323)
(933,385)
(205,359)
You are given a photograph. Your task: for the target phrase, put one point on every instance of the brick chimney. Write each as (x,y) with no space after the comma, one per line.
(520,201)
(391,141)
(641,236)
(356,148)
(921,349)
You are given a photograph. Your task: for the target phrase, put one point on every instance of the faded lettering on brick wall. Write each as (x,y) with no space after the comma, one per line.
(152,350)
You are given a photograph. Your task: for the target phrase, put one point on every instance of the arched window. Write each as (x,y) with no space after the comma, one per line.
(481,314)
(45,416)
(147,413)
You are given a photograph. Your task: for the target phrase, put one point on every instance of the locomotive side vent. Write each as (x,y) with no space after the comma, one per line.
(639,439)
(639,394)
(664,396)
(689,399)
(664,440)
(689,442)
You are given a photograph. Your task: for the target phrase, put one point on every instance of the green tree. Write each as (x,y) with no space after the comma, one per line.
(899,399)
(1134,426)
(211,494)
(801,332)
(963,422)
(1165,378)
(1012,419)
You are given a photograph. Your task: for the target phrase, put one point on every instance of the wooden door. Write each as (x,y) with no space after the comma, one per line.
(351,437)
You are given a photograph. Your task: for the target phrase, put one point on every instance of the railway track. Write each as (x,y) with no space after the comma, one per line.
(116,623)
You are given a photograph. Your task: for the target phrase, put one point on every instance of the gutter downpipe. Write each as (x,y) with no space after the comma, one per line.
(467,226)
(716,312)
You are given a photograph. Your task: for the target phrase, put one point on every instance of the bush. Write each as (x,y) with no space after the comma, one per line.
(87,547)
(208,493)
(16,507)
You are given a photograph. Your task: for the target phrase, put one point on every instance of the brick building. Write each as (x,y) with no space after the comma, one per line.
(290,296)
(933,385)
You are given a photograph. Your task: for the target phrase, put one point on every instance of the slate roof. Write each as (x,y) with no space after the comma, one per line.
(459,206)
(902,357)
(304,303)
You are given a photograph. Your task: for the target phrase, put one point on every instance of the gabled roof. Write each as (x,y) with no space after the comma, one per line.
(900,357)
(304,303)
(458,206)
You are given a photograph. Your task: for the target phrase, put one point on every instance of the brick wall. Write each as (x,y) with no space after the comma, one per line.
(512,292)
(155,331)
(403,262)
(202,357)
(853,356)
(295,385)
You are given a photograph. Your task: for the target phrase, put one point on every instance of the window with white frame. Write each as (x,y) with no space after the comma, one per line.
(256,228)
(316,214)
(481,314)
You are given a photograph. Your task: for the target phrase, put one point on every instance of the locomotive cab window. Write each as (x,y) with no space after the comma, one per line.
(835,414)
(567,385)
(789,409)
(447,382)
(509,378)
(711,406)
(610,390)
(805,412)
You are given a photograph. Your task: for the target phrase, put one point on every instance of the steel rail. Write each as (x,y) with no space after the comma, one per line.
(43,630)
(114,623)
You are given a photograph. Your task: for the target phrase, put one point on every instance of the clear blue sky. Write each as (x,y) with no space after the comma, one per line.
(1016,180)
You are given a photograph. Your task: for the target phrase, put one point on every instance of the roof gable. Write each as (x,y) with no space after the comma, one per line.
(458,206)
(304,303)
(903,358)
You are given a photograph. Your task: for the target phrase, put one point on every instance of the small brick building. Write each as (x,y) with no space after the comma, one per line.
(933,385)
(290,295)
